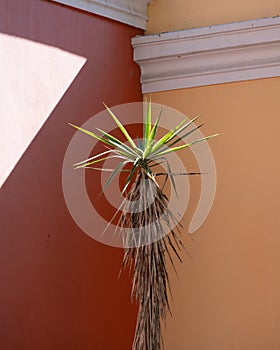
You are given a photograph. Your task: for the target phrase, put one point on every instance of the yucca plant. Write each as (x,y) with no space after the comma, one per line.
(148,226)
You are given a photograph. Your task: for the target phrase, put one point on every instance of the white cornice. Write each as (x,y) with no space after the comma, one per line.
(210,55)
(133,12)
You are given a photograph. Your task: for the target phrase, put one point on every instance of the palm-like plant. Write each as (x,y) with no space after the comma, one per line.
(148,225)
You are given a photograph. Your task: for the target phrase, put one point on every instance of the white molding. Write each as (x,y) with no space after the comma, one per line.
(132,12)
(209,55)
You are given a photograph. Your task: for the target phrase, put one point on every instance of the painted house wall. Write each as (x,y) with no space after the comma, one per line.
(228,293)
(59,288)
(166,15)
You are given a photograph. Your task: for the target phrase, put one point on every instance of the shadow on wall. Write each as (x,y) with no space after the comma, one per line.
(59,288)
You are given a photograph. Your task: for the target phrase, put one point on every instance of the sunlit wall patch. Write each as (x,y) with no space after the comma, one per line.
(34,77)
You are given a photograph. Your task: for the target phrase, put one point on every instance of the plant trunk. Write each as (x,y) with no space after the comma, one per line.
(149,238)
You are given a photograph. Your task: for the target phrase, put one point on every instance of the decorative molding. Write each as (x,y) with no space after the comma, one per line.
(132,12)
(209,55)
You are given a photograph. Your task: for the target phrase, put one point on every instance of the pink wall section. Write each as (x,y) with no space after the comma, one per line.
(59,288)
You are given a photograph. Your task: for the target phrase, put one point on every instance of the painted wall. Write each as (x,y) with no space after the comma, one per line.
(59,288)
(166,15)
(228,293)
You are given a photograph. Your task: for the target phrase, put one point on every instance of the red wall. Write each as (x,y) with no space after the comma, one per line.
(59,288)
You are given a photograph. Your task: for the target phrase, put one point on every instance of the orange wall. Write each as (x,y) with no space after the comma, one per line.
(228,293)
(167,15)
(59,289)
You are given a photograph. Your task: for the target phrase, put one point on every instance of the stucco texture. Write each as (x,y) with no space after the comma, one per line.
(228,293)
(59,287)
(166,15)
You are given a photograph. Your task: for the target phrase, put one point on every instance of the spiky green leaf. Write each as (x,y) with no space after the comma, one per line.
(121,127)
(174,149)
(90,133)
(114,173)
(130,176)
(180,138)
(162,141)
(118,144)
(91,158)
(147,124)
(182,128)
